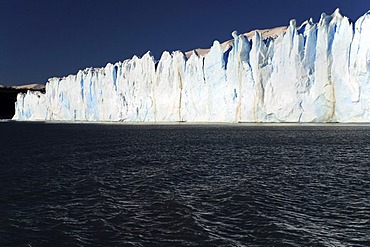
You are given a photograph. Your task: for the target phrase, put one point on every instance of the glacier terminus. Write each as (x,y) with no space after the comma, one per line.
(314,72)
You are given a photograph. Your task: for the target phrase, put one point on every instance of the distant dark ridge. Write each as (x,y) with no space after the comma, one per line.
(8,97)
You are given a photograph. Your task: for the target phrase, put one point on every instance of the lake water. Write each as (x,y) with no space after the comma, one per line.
(184,185)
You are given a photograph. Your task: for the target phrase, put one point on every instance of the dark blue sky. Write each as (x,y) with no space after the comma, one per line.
(46,38)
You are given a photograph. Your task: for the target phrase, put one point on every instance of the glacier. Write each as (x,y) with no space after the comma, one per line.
(315,72)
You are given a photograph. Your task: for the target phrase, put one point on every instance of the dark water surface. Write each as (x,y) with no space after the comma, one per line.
(183,185)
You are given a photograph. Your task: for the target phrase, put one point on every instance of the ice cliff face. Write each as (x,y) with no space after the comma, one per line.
(319,72)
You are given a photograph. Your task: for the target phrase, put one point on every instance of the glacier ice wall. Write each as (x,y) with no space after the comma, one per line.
(319,72)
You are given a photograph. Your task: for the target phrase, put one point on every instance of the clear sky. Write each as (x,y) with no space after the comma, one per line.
(45,38)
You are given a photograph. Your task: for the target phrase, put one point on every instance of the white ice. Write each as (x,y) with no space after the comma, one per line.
(317,72)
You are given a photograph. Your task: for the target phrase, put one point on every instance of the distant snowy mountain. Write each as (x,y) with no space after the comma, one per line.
(30,86)
(316,72)
(265,34)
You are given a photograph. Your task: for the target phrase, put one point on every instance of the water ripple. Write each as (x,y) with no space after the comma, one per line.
(113,185)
